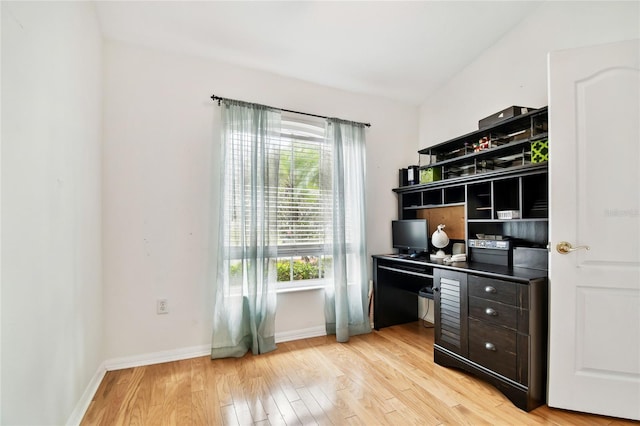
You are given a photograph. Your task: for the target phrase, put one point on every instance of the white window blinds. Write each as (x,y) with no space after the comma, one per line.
(303,197)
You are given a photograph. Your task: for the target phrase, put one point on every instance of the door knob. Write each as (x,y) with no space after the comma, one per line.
(564,247)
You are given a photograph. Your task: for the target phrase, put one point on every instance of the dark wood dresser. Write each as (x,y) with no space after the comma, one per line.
(492,321)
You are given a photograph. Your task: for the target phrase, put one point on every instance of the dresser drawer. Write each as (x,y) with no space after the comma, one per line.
(493,347)
(493,312)
(492,289)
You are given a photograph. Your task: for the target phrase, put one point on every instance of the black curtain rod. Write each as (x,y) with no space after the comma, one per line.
(218,98)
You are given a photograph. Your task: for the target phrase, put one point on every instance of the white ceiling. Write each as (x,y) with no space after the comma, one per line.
(395,49)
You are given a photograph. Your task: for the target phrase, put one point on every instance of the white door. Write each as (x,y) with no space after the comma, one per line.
(594,168)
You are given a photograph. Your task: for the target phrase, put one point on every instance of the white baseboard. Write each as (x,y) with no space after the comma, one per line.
(196,351)
(83,404)
(157,357)
(305,333)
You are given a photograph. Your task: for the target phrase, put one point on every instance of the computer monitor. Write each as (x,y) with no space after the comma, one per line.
(410,236)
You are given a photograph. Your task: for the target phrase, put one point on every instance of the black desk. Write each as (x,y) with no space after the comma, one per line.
(396,283)
(398,279)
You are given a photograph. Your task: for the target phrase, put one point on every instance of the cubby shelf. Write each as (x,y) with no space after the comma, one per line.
(431,206)
(528,168)
(495,152)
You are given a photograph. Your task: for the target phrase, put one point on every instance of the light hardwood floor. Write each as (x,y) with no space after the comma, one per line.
(383,378)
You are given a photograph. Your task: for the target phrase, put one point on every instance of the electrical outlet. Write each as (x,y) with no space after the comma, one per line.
(162,306)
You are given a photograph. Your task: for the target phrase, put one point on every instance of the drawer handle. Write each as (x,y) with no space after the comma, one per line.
(490,346)
(491,312)
(489,289)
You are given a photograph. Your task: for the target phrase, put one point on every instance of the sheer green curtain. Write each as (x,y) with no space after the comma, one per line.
(346,295)
(245,295)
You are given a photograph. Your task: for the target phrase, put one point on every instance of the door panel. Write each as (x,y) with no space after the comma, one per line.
(594,354)
(594,295)
(606,165)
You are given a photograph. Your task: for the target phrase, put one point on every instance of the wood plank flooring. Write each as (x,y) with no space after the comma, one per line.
(384,378)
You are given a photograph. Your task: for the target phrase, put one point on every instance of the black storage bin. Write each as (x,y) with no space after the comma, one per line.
(505,114)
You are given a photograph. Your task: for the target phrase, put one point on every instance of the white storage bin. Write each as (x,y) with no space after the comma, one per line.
(508,214)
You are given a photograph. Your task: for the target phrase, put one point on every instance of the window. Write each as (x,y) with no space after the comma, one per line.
(302,206)
(303,202)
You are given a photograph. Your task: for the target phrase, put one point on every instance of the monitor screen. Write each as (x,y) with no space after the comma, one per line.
(410,236)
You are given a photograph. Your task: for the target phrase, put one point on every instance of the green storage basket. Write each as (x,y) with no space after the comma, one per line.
(540,151)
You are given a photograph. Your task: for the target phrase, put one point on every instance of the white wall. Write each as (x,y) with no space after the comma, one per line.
(161,188)
(52,324)
(514,70)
